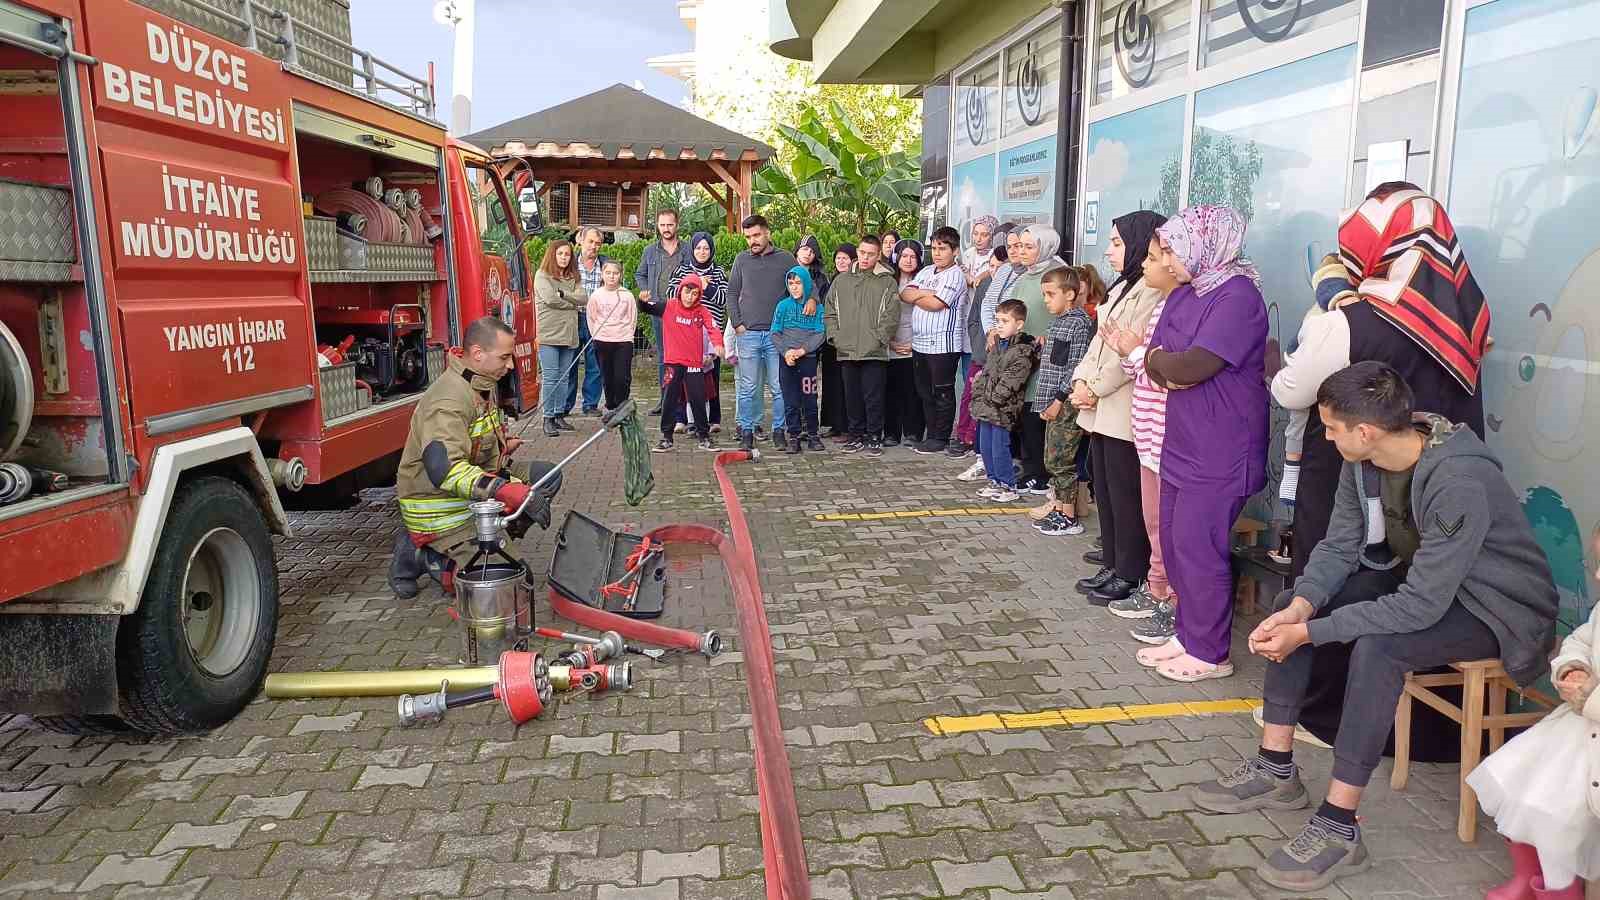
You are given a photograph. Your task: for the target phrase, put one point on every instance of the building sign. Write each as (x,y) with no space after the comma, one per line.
(1027,183)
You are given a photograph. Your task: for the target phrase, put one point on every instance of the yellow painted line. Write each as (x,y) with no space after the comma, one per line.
(1055,718)
(920,513)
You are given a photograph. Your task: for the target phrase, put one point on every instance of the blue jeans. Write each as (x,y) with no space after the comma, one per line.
(759,364)
(994,445)
(555,372)
(592,382)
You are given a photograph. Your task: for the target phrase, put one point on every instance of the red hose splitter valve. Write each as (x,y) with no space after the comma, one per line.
(522,687)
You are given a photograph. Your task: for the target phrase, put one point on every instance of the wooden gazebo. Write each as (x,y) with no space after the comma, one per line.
(616,142)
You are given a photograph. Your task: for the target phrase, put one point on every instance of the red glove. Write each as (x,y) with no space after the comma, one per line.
(512,494)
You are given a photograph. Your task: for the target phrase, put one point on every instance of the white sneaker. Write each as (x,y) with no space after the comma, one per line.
(989,491)
(973,472)
(1005,495)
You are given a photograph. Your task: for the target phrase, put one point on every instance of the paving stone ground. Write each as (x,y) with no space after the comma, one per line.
(650,794)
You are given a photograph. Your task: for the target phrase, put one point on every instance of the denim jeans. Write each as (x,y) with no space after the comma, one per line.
(555,371)
(994,445)
(758,365)
(800,397)
(593,384)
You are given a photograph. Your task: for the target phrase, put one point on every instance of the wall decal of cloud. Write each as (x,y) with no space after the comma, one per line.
(1108,165)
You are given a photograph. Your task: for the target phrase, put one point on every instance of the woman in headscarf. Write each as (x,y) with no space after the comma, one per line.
(975,258)
(1391,305)
(1210,349)
(702,262)
(1036,255)
(986,295)
(1102,391)
(902,406)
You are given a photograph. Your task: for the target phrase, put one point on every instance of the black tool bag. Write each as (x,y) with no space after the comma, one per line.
(590,556)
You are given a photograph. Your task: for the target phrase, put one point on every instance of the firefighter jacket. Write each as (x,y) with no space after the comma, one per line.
(454,453)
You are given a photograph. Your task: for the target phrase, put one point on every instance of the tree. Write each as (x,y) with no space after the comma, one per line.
(1221,173)
(833,173)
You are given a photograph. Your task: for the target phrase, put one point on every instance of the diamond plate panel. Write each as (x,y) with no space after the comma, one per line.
(36,223)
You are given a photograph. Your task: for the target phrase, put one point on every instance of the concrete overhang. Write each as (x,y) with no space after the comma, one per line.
(892,41)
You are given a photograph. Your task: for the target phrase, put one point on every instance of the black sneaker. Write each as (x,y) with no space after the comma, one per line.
(874,449)
(779,438)
(1095,557)
(662,446)
(890,442)
(564,425)
(793,446)
(854,446)
(1058,524)
(550,428)
(1096,581)
(930,447)
(814,444)
(958,450)
(1033,486)
(747,441)
(706,444)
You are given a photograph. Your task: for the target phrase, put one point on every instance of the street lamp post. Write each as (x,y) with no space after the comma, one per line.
(459,15)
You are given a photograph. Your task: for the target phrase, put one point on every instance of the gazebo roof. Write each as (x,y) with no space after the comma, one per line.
(619,123)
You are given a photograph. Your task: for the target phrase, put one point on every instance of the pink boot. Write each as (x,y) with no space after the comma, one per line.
(1573,891)
(1524,868)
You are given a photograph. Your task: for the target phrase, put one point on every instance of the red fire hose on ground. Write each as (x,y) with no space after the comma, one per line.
(782,849)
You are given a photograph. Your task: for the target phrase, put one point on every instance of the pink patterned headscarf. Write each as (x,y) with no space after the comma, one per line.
(1208,239)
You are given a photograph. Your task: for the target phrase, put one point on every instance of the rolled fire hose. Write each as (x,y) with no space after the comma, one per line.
(383,224)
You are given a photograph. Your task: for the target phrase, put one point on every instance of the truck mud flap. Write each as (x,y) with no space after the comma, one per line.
(58,664)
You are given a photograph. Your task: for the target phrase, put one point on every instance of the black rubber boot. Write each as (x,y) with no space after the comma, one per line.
(405,567)
(550,428)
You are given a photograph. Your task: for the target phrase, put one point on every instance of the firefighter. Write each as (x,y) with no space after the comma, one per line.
(457,453)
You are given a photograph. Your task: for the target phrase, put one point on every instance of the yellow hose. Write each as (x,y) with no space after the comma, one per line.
(300,685)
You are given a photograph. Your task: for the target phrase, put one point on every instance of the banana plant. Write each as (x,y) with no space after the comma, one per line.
(830,166)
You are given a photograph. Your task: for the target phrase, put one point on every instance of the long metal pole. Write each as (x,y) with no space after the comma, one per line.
(461,68)
(299,685)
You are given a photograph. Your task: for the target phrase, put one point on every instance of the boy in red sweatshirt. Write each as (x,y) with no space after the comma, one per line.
(690,341)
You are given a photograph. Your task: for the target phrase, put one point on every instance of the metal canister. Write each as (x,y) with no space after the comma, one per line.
(493,606)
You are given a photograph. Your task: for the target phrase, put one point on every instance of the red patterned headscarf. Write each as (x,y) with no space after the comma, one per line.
(1402,253)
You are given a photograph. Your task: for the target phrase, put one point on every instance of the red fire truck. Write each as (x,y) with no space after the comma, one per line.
(233,252)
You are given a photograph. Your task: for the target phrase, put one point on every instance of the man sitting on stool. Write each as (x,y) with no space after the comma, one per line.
(1428,560)
(457,453)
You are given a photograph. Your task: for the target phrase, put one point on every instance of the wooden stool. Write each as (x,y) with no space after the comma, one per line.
(1475,678)
(1246,534)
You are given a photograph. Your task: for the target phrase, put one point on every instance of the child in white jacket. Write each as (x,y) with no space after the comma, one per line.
(1540,787)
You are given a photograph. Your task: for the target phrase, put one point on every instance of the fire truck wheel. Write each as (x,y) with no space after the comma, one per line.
(195,652)
(83,724)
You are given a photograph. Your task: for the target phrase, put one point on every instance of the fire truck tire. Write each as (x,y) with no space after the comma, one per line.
(83,724)
(195,651)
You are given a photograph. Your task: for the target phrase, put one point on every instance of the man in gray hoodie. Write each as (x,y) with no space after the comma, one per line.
(1428,560)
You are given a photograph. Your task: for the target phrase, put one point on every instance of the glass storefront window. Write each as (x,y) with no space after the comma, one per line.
(1524,196)
(1140,43)
(1275,147)
(1128,157)
(1032,95)
(1232,28)
(976,122)
(935,132)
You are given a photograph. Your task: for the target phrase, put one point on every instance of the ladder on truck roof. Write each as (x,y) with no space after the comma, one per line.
(272,28)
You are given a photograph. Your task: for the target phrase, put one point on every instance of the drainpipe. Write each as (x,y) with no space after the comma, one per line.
(1070,116)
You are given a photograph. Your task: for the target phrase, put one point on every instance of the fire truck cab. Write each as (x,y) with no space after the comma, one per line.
(234,251)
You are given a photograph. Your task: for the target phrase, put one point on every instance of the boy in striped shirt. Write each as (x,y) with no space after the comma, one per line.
(938,296)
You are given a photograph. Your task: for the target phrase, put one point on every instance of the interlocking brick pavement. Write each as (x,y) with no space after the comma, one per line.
(876,625)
